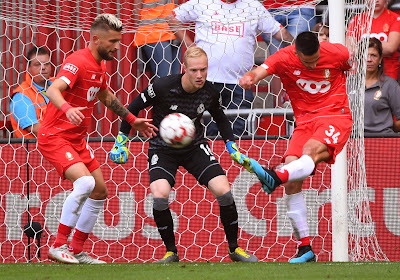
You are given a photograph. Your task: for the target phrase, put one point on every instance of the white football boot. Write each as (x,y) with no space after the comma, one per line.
(62,254)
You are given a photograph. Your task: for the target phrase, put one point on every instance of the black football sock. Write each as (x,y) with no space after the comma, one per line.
(165,227)
(229,219)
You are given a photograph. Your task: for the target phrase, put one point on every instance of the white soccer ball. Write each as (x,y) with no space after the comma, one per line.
(177,130)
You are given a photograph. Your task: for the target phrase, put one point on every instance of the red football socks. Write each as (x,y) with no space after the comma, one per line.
(77,242)
(304,241)
(62,235)
(283,174)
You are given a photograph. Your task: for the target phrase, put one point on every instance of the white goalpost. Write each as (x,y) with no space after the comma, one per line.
(342,227)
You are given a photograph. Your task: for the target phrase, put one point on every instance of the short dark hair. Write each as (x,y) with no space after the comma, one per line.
(106,22)
(35,51)
(307,43)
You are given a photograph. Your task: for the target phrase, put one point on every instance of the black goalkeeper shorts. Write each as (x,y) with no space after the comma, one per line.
(198,160)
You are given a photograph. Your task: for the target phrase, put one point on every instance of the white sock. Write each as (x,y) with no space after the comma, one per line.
(297,214)
(300,169)
(90,212)
(72,207)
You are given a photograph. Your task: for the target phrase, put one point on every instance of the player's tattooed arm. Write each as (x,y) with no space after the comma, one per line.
(112,103)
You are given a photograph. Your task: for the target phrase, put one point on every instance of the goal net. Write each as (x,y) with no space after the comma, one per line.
(31,192)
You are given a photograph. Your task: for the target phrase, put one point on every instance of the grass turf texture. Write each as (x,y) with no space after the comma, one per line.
(204,271)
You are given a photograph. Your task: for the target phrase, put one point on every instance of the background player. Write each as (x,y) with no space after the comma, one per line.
(190,94)
(73,94)
(313,76)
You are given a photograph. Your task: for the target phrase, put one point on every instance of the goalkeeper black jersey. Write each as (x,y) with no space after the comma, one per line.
(167,96)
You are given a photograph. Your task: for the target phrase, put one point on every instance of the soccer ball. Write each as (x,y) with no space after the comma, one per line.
(177,130)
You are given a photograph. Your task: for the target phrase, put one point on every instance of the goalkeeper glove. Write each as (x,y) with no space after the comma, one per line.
(237,156)
(119,152)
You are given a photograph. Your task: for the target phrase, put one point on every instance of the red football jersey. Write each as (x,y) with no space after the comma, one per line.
(85,78)
(273,4)
(381,26)
(316,93)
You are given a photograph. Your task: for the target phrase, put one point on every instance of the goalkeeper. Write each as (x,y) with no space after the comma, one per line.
(190,94)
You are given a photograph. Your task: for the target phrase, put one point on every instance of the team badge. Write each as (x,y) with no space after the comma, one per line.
(385,27)
(378,95)
(327,74)
(71,68)
(154,159)
(201,108)
(69,156)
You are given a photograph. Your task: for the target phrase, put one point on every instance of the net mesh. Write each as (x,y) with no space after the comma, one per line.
(31,191)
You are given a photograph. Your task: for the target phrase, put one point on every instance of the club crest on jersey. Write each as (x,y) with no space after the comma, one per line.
(69,156)
(378,95)
(91,93)
(150,91)
(327,73)
(201,108)
(70,68)
(154,159)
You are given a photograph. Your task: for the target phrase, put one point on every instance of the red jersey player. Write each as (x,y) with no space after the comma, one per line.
(61,136)
(385,27)
(313,76)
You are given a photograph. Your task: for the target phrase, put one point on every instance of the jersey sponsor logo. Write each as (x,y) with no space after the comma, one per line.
(91,93)
(383,37)
(313,87)
(296,72)
(93,76)
(150,91)
(235,29)
(70,68)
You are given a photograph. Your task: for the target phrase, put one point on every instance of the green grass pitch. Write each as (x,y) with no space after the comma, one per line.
(204,271)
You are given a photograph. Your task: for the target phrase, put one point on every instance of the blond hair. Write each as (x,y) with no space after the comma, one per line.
(193,52)
(106,22)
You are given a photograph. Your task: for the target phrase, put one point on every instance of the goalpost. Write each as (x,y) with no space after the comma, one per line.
(337,197)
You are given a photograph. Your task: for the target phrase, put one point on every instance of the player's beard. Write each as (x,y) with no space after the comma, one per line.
(105,54)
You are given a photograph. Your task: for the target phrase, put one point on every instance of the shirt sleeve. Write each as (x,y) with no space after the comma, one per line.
(394,99)
(23,110)
(186,12)
(223,124)
(143,100)
(395,27)
(266,22)
(272,63)
(71,71)
(347,62)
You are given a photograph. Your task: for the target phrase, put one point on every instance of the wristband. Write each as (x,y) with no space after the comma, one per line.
(65,107)
(130,118)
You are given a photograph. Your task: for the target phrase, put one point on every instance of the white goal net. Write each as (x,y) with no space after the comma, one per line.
(31,193)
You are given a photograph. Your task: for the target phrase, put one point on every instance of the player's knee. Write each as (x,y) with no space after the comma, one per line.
(84,186)
(100,192)
(225,199)
(160,203)
(293,187)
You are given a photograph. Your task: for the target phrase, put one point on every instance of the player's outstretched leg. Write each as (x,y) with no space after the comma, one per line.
(119,152)
(268,177)
(169,257)
(62,254)
(240,255)
(304,254)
